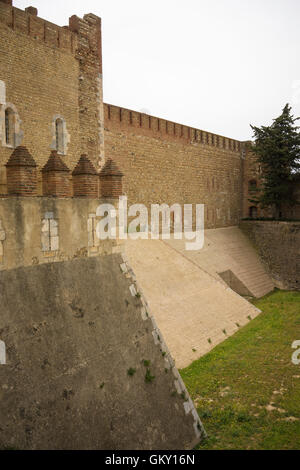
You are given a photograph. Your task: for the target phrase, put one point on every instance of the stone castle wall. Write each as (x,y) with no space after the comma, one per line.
(48,72)
(278,244)
(38,230)
(86,366)
(165,162)
(83,353)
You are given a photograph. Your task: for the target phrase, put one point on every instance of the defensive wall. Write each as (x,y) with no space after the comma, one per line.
(50,73)
(278,244)
(84,355)
(166,162)
(86,366)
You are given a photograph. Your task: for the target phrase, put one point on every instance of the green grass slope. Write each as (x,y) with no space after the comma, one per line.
(247,390)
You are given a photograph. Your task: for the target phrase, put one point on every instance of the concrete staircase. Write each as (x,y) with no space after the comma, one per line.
(193,307)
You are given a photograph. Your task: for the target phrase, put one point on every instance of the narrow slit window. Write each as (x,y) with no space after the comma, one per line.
(9,127)
(59,129)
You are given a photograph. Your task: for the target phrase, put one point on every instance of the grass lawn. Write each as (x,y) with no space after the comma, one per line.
(247,390)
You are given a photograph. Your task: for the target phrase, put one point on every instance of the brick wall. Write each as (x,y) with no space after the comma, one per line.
(251,174)
(44,75)
(51,72)
(165,162)
(278,244)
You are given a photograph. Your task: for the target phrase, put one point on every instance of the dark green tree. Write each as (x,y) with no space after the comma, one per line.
(277,148)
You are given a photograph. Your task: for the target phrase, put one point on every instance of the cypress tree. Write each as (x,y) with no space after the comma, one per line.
(277,148)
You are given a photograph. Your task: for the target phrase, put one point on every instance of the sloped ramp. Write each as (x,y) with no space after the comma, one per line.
(229,249)
(193,309)
(77,337)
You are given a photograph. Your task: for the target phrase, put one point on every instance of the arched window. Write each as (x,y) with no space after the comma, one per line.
(59,135)
(11,134)
(9,127)
(252,185)
(253,212)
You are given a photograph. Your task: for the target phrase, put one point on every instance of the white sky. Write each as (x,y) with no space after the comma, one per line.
(217,65)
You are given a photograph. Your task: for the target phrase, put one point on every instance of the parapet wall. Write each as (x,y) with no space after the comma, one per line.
(167,163)
(38,230)
(278,244)
(144,124)
(28,23)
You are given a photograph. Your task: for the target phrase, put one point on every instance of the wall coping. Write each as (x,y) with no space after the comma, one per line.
(159,127)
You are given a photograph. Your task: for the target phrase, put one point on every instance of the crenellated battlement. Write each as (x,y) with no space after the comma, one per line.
(81,34)
(27,22)
(145,124)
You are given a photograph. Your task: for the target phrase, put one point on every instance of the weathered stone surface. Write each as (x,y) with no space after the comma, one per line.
(72,331)
(33,225)
(278,244)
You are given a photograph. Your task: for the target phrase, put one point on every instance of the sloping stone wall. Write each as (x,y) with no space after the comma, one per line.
(86,366)
(77,337)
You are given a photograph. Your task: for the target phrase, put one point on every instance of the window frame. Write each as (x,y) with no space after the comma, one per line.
(60,135)
(16,135)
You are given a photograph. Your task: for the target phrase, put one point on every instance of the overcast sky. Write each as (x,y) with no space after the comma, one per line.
(217,65)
